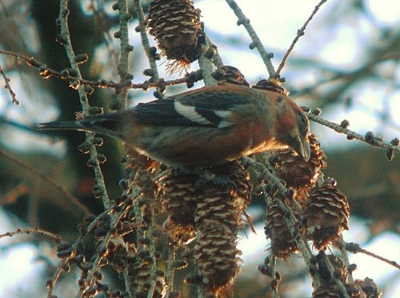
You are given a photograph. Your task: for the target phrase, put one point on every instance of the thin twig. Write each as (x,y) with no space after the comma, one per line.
(28,231)
(375,142)
(137,7)
(170,270)
(123,65)
(101,249)
(256,42)
(144,216)
(217,59)
(299,34)
(64,36)
(8,87)
(64,75)
(207,68)
(274,274)
(48,179)
(290,218)
(341,244)
(331,269)
(356,248)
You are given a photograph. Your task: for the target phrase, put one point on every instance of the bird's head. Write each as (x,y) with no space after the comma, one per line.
(293,127)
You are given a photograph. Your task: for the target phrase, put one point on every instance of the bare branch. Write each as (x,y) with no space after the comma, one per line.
(299,34)
(256,42)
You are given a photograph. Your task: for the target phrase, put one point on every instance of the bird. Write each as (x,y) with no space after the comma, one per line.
(208,126)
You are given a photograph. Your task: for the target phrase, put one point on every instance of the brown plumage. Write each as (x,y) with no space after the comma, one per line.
(204,127)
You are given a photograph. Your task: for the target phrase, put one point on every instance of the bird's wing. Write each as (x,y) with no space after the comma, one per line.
(209,106)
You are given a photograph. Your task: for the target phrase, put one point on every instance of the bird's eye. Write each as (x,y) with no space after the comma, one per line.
(303,121)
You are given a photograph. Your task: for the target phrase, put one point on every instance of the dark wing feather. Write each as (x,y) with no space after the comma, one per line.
(201,107)
(160,112)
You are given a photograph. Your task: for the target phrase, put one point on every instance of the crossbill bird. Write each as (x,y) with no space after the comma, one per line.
(208,126)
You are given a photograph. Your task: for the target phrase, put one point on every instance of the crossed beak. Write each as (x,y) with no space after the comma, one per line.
(302,147)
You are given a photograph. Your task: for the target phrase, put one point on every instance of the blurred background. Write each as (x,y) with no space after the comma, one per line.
(347,63)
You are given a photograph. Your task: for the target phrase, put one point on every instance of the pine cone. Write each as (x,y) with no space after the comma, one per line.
(182,233)
(179,198)
(295,171)
(211,206)
(140,274)
(340,272)
(355,291)
(369,287)
(229,75)
(216,256)
(327,291)
(222,200)
(332,291)
(327,213)
(273,85)
(176,26)
(282,242)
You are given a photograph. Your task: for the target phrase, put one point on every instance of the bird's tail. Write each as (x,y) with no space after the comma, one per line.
(68,125)
(107,124)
